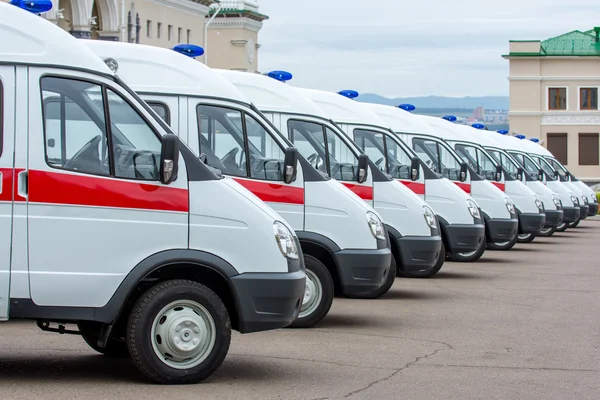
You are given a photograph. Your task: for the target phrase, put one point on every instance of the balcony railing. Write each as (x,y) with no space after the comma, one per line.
(250,5)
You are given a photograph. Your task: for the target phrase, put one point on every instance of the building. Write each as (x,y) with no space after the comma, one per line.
(554,97)
(232,33)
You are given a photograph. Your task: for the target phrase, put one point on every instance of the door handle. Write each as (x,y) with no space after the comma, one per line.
(22,184)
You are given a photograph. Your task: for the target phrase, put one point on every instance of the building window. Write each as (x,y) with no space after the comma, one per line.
(170,32)
(149,28)
(178,35)
(189,36)
(557,98)
(557,145)
(588,149)
(588,98)
(158,29)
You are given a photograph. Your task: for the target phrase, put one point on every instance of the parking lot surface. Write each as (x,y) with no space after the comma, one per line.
(522,324)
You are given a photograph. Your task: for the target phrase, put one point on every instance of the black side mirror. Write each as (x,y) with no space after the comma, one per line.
(463,171)
(290,165)
(520,173)
(169,158)
(415,167)
(363,164)
(556,175)
(541,175)
(498,173)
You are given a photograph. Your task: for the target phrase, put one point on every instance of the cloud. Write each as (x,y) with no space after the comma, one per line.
(401,48)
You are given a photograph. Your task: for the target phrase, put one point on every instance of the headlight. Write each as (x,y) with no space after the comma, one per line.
(539,204)
(596,199)
(473,209)
(556,200)
(375,225)
(574,199)
(509,205)
(585,200)
(285,240)
(429,217)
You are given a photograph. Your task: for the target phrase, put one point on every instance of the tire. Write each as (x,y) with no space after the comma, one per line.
(469,257)
(433,270)
(389,282)
(562,227)
(320,284)
(158,346)
(547,232)
(504,245)
(114,348)
(526,237)
(573,224)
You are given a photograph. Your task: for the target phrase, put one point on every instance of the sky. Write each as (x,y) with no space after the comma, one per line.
(409,48)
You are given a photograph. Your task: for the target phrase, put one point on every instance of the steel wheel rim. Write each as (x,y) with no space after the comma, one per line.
(524,236)
(546,230)
(500,244)
(469,254)
(561,226)
(313,293)
(183,334)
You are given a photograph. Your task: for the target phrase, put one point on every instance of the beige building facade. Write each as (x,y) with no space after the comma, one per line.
(554,88)
(232,27)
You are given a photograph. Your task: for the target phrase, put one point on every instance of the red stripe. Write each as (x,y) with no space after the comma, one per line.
(464,186)
(364,192)
(86,190)
(273,192)
(499,185)
(417,187)
(6,188)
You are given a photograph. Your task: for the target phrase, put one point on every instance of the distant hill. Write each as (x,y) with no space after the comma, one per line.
(437,102)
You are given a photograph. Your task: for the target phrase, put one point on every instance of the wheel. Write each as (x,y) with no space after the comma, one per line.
(547,232)
(114,348)
(433,270)
(318,294)
(470,256)
(387,285)
(562,227)
(573,224)
(178,332)
(503,245)
(526,237)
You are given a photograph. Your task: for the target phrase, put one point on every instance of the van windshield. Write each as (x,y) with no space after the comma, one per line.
(507,163)
(562,171)
(387,155)
(438,158)
(478,159)
(530,167)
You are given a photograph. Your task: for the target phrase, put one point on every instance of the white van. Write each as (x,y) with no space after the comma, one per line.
(570,202)
(529,207)
(565,175)
(109,223)
(345,244)
(410,222)
(514,178)
(458,215)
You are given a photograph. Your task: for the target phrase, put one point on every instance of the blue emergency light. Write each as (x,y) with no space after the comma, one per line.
(281,76)
(478,126)
(351,94)
(535,140)
(190,50)
(450,118)
(33,6)
(503,132)
(521,137)
(407,107)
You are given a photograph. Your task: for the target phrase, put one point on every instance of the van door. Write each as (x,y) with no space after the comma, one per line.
(96,207)
(7,172)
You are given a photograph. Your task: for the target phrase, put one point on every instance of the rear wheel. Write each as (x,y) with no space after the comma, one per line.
(318,294)
(547,232)
(503,245)
(526,237)
(470,256)
(432,271)
(178,332)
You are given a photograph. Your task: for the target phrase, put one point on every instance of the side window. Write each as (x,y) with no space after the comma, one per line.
(469,155)
(427,154)
(343,164)
(309,139)
(136,147)
(488,167)
(75,126)
(162,111)
(266,155)
(372,144)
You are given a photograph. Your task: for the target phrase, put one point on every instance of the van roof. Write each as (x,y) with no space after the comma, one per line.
(399,120)
(27,38)
(152,69)
(445,129)
(271,95)
(481,136)
(342,109)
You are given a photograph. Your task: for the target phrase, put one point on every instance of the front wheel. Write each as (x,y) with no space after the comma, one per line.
(547,232)
(433,270)
(318,294)
(178,332)
(562,227)
(503,245)
(526,237)
(470,256)
(573,224)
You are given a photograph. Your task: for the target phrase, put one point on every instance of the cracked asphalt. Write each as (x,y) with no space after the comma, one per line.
(523,324)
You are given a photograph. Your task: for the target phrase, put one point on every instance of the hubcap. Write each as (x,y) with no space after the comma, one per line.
(313,293)
(183,334)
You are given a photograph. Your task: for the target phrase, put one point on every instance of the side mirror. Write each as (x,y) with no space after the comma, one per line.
(463,171)
(555,174)
(415,167)
(169,158)
(498,173)
(363,164)
(290,165)
(520,173)
(541,175)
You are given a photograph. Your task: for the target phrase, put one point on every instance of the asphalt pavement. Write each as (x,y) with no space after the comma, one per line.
(522,324)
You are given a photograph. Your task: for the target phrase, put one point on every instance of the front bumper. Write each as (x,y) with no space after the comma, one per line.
(585,210)
(553,218)
(501,230)
(593,209)
(419,252)
(464,238)
(531,223)
(266,301)
(571,214)
(362,270)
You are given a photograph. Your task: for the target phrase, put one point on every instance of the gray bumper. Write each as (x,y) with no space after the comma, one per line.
(362,270)
(501,230)
(418,253)
(585,210)
(553,218)
(593,209)
(571,214)
(464,238)
(531,223)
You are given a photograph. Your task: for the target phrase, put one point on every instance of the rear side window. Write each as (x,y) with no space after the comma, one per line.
(162,111)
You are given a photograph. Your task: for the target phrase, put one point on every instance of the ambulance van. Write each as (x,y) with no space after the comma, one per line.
(410,222)
(344,241)
(529,207)
(458,215)
(111,224)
